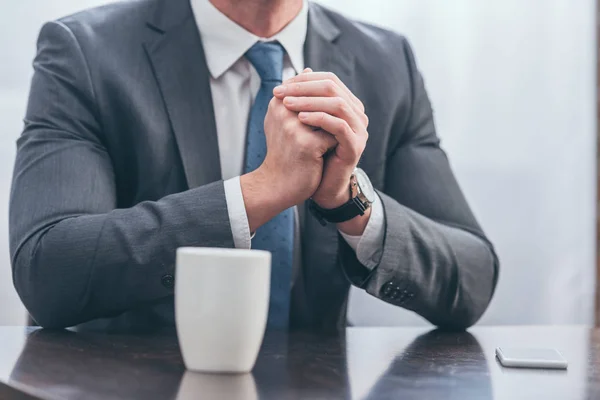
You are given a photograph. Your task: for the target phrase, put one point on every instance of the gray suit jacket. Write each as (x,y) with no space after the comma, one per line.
(118,165)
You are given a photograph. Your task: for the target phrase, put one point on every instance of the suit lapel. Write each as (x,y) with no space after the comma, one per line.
(175,51)
(326,286)
(322,51)
(177,57)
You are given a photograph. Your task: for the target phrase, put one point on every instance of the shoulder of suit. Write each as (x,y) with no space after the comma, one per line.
(370,42)
(113,18)
(369,34)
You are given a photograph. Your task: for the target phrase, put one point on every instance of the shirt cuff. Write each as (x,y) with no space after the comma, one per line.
(238,219)
(369,245)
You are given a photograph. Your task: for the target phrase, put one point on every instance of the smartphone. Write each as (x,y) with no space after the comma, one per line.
(530,358)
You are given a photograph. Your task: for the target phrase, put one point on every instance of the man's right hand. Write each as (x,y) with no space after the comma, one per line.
(292,169)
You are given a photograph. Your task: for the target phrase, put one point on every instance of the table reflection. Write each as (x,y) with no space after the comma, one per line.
(398,363)
(217,386)
(302,365)
(434,365)
(65,364)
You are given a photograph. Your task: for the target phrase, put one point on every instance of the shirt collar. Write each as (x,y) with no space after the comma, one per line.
(225,41)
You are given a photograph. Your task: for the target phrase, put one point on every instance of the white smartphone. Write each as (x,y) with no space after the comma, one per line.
(530,358)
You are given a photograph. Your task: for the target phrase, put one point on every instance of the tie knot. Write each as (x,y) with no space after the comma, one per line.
(267,59)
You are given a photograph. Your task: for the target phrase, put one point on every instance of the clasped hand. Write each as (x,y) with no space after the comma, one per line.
(316,131)
(322,101)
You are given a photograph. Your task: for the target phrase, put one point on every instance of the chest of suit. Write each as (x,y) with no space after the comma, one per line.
(159,128)
(159,120)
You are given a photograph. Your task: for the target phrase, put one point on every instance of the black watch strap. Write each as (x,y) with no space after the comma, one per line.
(343,213)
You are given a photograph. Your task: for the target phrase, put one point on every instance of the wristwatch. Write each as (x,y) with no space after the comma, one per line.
(362,195)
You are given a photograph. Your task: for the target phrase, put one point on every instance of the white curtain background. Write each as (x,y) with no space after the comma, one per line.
(513,86)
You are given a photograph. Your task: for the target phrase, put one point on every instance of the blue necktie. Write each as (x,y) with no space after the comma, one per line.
(277,235)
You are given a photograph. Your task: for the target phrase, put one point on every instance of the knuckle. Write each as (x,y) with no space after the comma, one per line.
(331,76)
(355,150)
(272,103)
(280,110)
(288,125)
(273,108)
(280,114)
(366,119)
(342,127)
(303,142)
(330,87)
(361,106)
(340,105)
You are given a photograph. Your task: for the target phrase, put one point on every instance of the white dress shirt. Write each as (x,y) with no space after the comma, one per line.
(234,85)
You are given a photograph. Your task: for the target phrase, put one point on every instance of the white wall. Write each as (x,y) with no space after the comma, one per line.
(513,86)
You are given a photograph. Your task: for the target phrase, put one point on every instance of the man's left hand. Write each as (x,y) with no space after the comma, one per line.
(323,101)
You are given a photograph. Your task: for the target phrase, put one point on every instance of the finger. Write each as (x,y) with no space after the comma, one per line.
(278,93)
(348,148)
(327,140)
(324,88)
(336,106)
(304,71)
(319,76)
(324,141)
(281,91)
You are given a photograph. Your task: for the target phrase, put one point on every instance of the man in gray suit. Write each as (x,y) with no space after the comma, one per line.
(157,124)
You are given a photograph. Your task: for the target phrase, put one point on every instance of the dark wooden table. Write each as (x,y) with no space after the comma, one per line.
(365,363)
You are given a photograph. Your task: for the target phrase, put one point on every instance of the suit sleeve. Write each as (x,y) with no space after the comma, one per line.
(75,256)
(436,260)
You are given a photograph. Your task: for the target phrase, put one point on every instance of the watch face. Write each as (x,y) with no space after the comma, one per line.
(364,183)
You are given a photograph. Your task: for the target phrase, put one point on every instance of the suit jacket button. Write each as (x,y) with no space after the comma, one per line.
(387,289)
(168,281)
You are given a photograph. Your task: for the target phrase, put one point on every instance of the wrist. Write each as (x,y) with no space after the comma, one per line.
(357,225)
(331,202)
(332,199)
(262,199)
(350,204)
(335,189)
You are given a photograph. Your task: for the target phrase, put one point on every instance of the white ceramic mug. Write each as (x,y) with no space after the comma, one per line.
(221,307)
